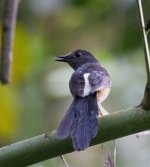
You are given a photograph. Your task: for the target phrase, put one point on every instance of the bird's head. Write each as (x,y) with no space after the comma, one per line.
(77,58)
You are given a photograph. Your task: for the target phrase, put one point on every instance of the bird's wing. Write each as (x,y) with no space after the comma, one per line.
(99,80)
(82,84)
(77,83)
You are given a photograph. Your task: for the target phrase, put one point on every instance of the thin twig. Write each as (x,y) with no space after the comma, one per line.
(107,158)
(9,22)
(146,48)
(115,152)
(64,161)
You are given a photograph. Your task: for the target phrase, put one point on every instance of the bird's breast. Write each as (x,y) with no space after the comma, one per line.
(102,94)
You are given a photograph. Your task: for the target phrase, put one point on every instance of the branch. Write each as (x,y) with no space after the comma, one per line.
(64,161)
(145,104)
(9,22)
(146,48)
(46,146)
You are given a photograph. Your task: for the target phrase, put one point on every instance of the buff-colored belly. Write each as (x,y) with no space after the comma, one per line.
(102,94)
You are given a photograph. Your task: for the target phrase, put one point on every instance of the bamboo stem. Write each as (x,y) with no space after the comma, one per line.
(9,22)
(145,41)
(47,146)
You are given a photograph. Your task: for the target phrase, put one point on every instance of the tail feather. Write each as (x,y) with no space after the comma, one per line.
(86,123)
(80,122)
(64,128)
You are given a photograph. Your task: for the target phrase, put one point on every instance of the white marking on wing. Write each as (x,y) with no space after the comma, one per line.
(87,86)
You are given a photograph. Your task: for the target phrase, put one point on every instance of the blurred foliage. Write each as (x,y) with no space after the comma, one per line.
(9,105)
(26,62)
(38,95)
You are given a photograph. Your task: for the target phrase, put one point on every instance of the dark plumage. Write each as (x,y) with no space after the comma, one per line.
(87,85)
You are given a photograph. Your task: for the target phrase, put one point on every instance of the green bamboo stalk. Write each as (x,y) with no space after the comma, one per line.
(145,104)
(47,146)
(145,41)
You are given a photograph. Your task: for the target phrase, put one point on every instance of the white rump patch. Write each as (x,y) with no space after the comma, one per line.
(87,86)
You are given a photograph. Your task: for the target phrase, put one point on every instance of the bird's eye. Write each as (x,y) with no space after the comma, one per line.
(78,54)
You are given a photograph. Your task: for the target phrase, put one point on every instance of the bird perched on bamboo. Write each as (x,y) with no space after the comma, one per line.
(89,85)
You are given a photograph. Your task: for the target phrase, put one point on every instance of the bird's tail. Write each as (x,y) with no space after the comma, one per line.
(80,121)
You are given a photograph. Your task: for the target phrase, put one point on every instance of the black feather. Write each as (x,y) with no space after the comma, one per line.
(64,128)
(85,125)
(80,121)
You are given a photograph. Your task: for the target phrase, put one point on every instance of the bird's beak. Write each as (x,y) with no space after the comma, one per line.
(64,58)
(61,58)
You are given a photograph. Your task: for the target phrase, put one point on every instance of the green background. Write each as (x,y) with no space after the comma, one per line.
(38,95)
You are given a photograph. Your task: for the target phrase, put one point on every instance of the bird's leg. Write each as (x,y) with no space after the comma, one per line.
(102,110)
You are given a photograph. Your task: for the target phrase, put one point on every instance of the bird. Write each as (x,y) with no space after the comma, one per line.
(89,85)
